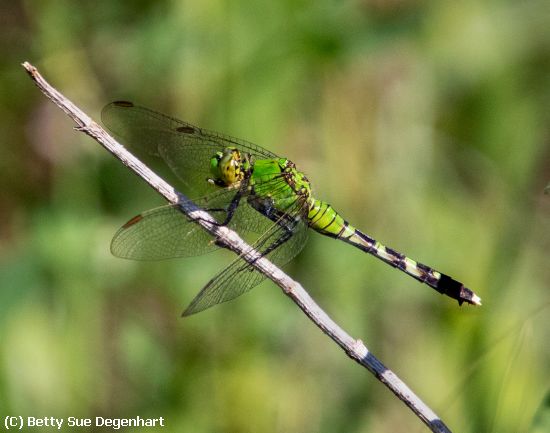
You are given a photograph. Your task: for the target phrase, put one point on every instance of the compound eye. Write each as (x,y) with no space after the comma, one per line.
(215,163)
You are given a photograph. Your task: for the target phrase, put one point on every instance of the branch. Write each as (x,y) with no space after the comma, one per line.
(355,349)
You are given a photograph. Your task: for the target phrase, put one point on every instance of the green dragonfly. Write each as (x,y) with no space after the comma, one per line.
(246,188)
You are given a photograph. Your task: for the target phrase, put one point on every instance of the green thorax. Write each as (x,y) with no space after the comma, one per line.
(280,181)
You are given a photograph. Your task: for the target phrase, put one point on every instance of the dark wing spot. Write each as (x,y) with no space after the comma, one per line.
(123,103)
(133,221)
(186,129)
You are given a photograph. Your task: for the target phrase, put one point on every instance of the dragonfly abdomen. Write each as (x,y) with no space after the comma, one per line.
(325,220)
(436,280)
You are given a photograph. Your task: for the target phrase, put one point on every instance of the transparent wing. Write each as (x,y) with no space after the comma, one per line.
(161,233)
(185,148)
(165,232)
(239,277)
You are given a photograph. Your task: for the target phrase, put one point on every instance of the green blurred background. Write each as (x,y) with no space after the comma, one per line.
(424,123)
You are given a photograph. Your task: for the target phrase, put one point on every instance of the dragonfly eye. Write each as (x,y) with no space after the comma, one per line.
(226,167)
(215,164)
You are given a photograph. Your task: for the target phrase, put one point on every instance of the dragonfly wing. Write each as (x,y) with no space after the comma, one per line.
(186,149)
(161,233)
(239,277)
(165,232)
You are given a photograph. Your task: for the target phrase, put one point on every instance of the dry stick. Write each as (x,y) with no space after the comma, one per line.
(355,349)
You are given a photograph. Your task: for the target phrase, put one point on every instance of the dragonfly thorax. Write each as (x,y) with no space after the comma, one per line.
(297,181)
(228,167)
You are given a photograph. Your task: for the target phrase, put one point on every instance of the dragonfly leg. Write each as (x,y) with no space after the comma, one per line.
(287,234)
(232,207)
(229,211)
(282,219)
(288,225)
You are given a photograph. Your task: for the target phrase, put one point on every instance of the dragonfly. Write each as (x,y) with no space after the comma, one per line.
(247,188)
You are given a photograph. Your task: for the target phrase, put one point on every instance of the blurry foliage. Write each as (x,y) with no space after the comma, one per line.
(542,418)
(424,123)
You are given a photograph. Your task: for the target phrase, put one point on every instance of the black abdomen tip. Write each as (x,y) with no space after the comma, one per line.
(456,290)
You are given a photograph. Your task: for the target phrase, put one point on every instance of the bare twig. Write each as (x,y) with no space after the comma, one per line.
(355,349)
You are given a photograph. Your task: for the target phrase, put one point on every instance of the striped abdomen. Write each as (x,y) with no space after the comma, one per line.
(324,219)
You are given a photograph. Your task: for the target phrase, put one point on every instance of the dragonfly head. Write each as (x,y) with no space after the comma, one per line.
(227,167)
